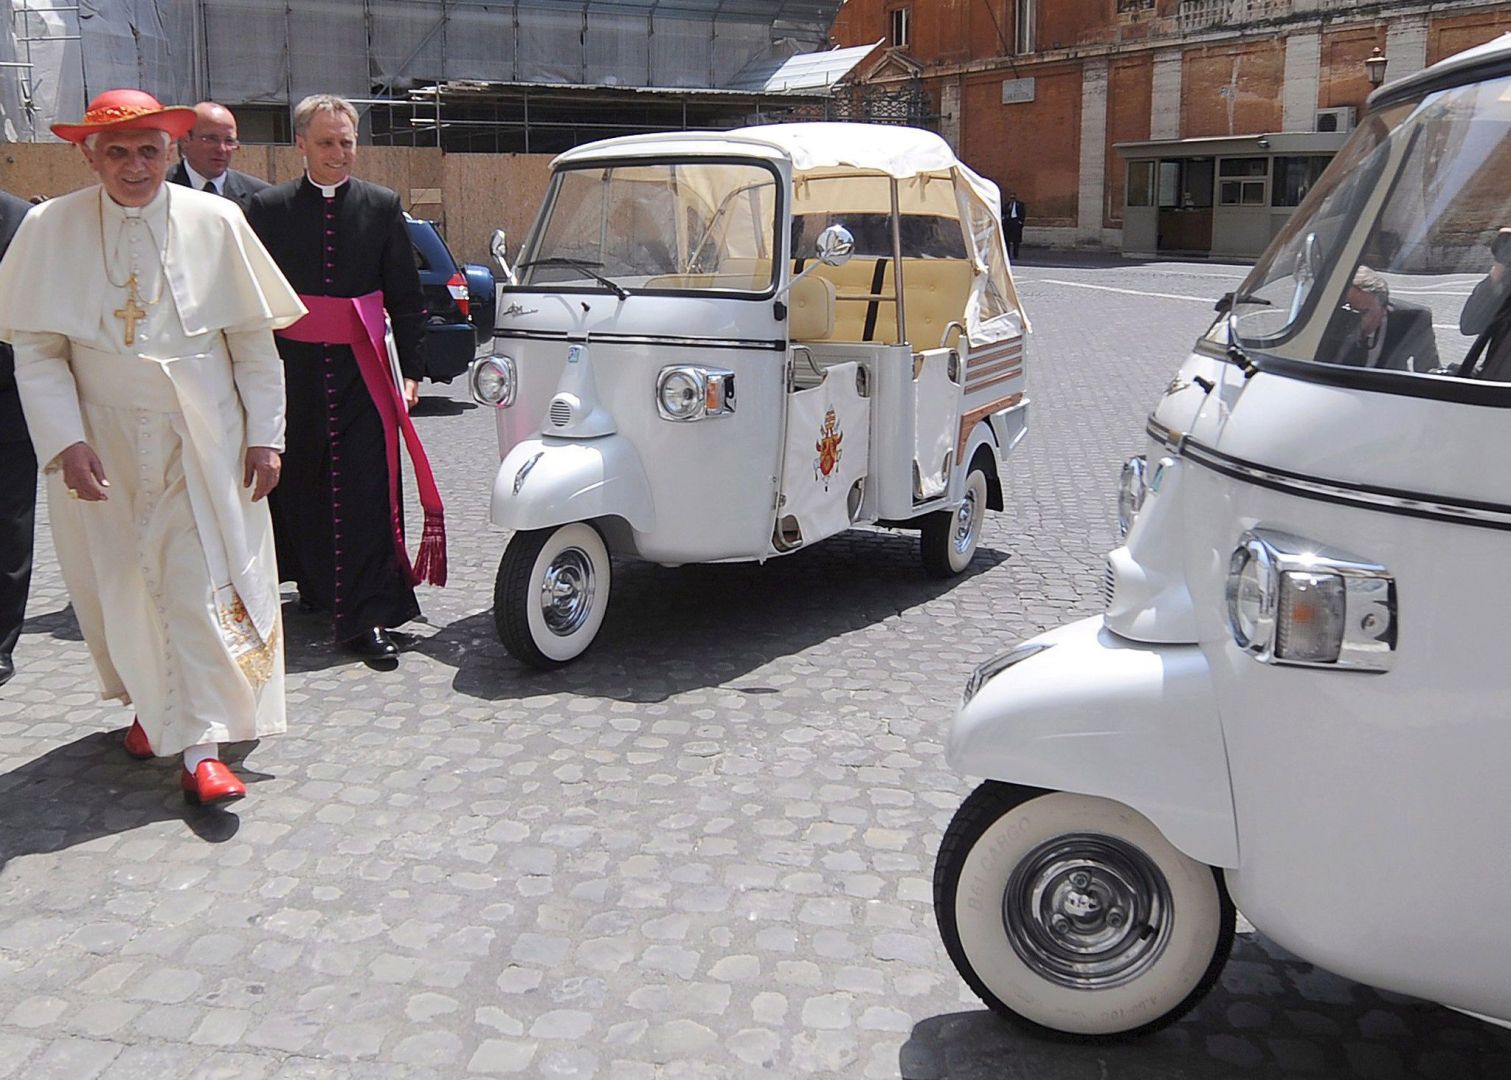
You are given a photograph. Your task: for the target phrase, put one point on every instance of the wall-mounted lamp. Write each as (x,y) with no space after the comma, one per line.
(1264,143)
(1374,67)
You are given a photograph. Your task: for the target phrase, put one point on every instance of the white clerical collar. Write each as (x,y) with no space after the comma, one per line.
(155,212)
(198,182)
(327,190)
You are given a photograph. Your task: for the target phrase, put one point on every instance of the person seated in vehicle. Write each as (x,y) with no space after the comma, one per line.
(1486,317)
(1372,330)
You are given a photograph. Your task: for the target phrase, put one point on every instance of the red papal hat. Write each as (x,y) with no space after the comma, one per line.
(128,110)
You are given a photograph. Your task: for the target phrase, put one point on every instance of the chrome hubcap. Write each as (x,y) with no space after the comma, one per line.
(1088,912)
(965,523)
(566,591)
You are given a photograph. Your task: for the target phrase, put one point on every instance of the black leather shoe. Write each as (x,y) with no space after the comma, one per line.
(7,669)
(373,645)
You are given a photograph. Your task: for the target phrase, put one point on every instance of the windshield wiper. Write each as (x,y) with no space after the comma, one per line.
(586,267)
(1236,353)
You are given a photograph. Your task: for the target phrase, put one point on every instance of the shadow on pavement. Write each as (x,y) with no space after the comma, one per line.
(88,788)
(1271,1015)
(307,641)
(60,624)
(440,406)
(670,630)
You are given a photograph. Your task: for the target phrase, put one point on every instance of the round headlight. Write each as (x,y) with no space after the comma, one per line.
(493,381)
(679,393)
(1131,490)
(1252,581)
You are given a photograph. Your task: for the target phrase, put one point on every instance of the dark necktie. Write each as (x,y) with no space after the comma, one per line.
(211,188)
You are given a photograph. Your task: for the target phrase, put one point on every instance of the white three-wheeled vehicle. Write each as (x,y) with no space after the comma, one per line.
(725,347)
(1296,701)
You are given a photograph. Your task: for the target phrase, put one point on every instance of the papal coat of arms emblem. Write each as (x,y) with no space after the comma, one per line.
(829,452)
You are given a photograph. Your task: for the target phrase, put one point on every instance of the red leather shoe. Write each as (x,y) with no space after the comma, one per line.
(136,742)
(211,783)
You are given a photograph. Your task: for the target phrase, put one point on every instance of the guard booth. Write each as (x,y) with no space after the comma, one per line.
(1226,196)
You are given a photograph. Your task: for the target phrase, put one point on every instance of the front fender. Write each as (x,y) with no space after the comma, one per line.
(1097,714)
(549,481)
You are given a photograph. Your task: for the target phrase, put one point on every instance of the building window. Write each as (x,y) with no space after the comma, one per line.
(1294,177)
(1141,183)
(1023,26)
(1241,181)
(902,25)
(1241,193)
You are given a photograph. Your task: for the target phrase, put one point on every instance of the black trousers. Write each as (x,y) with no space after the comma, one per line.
(18,513)
(331,514)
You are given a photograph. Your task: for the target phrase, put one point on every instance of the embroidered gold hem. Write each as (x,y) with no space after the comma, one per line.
(253,655)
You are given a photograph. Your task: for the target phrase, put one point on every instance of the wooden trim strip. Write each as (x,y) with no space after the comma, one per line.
(988,370)
(969,420)
(1015,348)
(1008,377)
(973,366)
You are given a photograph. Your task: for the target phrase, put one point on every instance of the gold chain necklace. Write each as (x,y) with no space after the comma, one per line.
(131,312)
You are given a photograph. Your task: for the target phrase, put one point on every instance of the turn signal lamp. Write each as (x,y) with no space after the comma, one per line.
(694,393)
(1292,601)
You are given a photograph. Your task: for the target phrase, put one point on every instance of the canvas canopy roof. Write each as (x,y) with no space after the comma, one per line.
(931,180)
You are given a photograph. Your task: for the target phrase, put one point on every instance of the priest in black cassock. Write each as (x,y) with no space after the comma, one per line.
(18,479)
(337,512)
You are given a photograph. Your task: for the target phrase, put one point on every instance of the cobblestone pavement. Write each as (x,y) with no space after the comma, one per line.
(703,851)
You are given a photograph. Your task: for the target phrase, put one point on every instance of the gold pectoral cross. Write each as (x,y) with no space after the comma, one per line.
(130,312)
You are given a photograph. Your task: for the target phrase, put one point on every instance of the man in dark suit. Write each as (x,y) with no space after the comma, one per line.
(1487,317)
(205,156)
(1385,333)
(1014,215)
(18,480)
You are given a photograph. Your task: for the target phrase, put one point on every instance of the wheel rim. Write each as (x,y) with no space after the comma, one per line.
(1087,911)
(967,517)
(566,591)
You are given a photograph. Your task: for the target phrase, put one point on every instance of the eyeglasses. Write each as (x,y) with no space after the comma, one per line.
(216,140)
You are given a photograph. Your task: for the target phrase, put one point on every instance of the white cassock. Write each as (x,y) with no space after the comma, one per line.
(173,578)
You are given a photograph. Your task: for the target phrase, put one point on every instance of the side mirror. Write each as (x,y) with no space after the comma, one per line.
(498,247)
(835,246)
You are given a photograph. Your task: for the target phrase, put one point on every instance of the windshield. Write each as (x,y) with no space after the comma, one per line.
(1400,257)
(690,225)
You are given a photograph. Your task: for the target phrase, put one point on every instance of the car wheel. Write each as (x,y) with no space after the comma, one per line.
(949,538)
(1075,914)
(552,593)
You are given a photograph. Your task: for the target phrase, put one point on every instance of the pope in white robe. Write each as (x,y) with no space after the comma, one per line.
(144,333)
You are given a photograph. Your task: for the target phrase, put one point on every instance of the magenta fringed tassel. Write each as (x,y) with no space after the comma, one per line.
(430,563)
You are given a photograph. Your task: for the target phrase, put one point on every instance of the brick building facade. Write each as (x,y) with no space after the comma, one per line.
(1155,125)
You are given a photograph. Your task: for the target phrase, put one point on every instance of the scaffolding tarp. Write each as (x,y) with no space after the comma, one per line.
(277,51)
(69,53)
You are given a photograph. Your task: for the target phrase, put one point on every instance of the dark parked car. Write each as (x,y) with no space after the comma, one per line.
(460,300)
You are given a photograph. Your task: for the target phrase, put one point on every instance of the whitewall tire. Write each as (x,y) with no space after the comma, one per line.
(552,593)
(949,538)
(1075,914)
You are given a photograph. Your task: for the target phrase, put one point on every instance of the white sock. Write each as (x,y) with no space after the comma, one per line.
(205,751)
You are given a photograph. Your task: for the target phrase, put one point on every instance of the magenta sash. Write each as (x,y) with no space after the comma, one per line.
(358,322)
